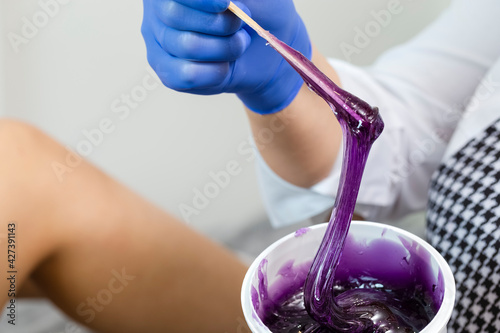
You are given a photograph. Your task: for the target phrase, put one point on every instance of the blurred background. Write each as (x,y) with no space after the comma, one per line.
(67,66)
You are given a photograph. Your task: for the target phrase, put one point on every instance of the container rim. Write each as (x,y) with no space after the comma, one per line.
(439,321)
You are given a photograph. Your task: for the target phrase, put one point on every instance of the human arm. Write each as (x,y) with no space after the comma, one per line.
(231,57)
(421,88)
(301,142)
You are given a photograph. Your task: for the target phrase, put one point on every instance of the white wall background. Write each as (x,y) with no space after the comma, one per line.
(67,75)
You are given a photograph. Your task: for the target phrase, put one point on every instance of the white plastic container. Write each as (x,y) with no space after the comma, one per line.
(302,246)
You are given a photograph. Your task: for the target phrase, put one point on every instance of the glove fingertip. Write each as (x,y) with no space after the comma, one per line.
(220,5)
(246,39)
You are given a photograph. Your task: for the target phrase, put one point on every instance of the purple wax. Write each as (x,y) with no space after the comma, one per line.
(301,232)
(325,302)
(405,290)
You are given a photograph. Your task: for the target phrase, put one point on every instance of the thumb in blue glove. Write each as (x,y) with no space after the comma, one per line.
(199,47)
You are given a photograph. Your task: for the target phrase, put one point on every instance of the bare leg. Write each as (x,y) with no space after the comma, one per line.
(108,258)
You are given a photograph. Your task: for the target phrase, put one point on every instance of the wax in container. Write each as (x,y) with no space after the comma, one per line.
(375,250)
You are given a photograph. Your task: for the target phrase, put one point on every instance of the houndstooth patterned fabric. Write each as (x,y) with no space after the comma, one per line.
(464,225)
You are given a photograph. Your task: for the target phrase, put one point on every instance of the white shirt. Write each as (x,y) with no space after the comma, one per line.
(435,93)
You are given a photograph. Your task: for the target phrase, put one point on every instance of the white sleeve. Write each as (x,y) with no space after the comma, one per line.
(421,89)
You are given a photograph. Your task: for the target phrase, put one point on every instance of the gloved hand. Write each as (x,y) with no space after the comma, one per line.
(197,46)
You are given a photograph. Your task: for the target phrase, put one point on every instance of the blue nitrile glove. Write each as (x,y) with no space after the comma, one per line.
(197,46)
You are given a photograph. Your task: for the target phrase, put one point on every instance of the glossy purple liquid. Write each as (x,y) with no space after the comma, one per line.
(331,305)
(400,291)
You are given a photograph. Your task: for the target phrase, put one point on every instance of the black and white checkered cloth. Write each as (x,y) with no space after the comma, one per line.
(463,222)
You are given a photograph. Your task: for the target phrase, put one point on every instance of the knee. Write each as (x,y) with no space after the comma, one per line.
(26,194)
(28,181)
(26,151)
(17,138)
